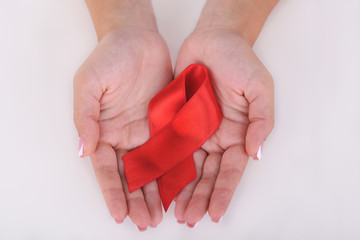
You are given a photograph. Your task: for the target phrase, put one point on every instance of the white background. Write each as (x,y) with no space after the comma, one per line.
(307,186)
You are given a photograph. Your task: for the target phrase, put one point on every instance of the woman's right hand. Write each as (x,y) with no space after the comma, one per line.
(112,90)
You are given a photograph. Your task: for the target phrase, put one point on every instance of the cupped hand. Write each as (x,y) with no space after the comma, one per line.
(112,90)
(244,91)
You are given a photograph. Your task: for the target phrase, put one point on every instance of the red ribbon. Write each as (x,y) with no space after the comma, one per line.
(182,117)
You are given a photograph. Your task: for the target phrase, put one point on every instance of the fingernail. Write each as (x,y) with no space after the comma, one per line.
(216,220)
(259,152)
(118,221)
(191,225)
(81,148)
(142,229)
(181,222)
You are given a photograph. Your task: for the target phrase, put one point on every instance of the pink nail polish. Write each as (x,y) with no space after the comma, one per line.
(81,148)
(191,225)
(118,221)
(216,220)
(181,221)
(142,229)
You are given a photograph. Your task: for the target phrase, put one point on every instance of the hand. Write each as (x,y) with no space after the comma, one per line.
(112,92)
(244,91)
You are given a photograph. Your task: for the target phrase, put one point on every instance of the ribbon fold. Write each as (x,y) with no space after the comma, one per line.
(182,117)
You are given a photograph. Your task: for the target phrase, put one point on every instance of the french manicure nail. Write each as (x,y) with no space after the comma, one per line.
(81,148)
(259,152)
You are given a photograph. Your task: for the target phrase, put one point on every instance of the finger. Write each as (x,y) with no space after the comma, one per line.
(232,166)
(184,59)
(138,211)
(87,94)
(200,199)
(153,202)
(260,96)
(185,194)
(106,170)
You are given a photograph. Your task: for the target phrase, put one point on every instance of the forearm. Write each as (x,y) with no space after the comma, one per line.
(108,15)
(246,17)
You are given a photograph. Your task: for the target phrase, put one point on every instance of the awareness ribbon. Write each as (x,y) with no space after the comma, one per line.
(182,117)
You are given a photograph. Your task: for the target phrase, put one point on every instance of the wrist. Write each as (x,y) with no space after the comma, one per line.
(243,17)
(112,15)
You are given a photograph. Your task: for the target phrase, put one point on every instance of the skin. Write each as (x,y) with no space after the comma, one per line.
(112,91)
(222,42)
(131,63)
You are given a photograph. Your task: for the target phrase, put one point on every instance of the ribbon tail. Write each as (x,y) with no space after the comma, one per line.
(171,183)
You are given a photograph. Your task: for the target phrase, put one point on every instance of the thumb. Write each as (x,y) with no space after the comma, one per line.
(260,96)
(87,94)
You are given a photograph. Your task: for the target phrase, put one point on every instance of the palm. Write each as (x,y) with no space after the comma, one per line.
(127,68)
(125,65)
(232,67)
